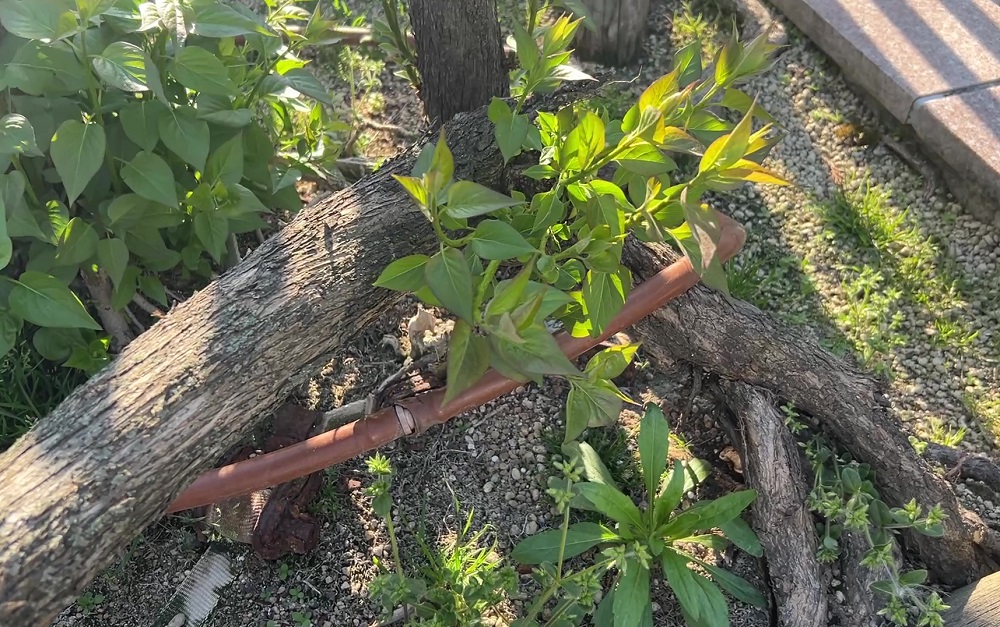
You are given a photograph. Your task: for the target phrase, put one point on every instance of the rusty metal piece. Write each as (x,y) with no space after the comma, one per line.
(417,414)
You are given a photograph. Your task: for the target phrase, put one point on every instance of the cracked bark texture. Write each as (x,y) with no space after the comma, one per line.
(773,465)
(620,28)
(459,54)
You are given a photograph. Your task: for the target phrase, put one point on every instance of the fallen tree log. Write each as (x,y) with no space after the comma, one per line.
(773,465)
(737,341)
(78,487)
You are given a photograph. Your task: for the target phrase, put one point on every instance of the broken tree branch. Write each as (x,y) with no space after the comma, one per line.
(772,465)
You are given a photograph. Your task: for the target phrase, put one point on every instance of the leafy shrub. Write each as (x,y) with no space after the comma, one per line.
(568,240)
(636,541)
(138,139)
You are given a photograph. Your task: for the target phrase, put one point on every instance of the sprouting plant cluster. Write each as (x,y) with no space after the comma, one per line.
(138,138)
(845,499)
(458,584)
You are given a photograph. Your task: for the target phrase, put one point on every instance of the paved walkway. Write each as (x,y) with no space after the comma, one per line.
(934,65)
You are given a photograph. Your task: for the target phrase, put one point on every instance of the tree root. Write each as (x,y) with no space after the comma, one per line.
(859,607)
(735,340)
(773,466)
(961,465)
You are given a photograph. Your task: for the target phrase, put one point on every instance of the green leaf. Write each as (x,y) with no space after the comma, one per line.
(41,19)
(57,344)
(112,256)
(43,300)
(128,210)
(450,281)
(89,9)
(611,502)
(687,64)
(215,19)
(468,200)
(910,578)
(631,595)
(584,142)
(538,353)
(711,514)
(728,149)
(508,294)
(442,166)
(525,47)
(152,288)
(415,188)
(668,500)
(212,229)
(544,547)
(404,275)
(141,122)
(735,585)
(494,239)
(17,137)
(604,295)
(511,130)
(590,404)
(236,118)
(123,65)
(740,534)
(21,221)
(305,82)
(10,328)
(657,93)
(468,359)
(728,60)
(77,151)
(682,582)
(225,164)
(593,468)
(125,290)
(76,243)
(654,443)
(150,177)
(200,70)
(611,362)
(695,470)
(646,160)
(186,136)
(42,70)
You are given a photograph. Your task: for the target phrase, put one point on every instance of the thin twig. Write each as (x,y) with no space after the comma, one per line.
(147,306)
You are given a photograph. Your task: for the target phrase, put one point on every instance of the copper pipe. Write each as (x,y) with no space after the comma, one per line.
(419,413)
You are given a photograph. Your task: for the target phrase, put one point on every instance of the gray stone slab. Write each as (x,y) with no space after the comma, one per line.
(901,50)
(964,131)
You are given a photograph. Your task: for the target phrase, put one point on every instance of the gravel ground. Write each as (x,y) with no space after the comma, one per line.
(903,280)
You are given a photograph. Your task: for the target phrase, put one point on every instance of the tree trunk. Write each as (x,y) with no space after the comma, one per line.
(459,55)
(736,340)
(76,489)
(621,28)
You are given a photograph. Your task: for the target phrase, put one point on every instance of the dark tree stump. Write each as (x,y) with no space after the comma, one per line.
(621,29)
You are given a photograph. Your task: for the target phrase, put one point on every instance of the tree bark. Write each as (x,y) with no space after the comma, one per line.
(459,54)
(621,29)
(736,340)
(772,465)
(76,489)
